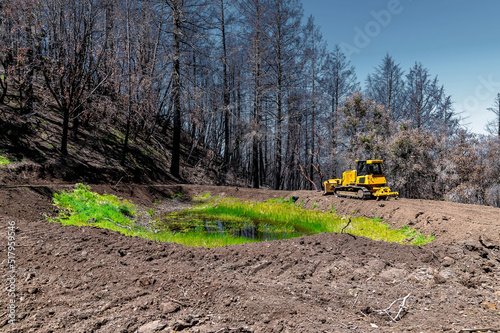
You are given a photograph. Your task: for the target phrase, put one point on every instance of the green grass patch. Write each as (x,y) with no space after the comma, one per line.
(4,160)
(83,207)
(215,222)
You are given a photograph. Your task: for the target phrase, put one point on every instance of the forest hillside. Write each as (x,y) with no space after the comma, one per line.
(224,92)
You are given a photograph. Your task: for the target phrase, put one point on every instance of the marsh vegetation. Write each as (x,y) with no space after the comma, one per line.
(214,221)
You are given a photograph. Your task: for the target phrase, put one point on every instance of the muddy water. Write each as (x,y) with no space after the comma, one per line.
(250,230)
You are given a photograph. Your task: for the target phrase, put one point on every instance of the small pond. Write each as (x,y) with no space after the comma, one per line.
(254,230)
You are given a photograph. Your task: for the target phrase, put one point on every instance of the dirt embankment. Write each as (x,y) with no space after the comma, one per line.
(73,279)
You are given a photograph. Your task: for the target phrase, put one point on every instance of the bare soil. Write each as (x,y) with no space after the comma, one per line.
(72,279)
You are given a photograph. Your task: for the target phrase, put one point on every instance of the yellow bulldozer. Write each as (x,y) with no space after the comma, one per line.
(366,182)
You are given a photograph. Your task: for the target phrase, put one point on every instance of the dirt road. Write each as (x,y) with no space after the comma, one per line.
(72,279)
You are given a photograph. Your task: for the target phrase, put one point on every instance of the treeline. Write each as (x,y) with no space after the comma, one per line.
(251,81)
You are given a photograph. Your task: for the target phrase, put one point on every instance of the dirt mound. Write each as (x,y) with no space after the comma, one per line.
(72,279)
(449,222)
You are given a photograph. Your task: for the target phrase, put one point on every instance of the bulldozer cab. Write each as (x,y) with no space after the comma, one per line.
(369,167)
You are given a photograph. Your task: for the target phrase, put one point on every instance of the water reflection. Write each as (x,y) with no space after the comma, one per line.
(254,230)
(250,230)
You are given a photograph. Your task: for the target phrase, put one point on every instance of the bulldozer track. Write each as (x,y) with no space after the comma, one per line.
(354,193)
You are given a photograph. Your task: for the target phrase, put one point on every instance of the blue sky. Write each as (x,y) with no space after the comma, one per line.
(457,40)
